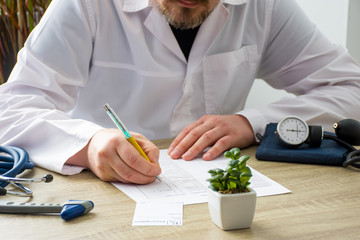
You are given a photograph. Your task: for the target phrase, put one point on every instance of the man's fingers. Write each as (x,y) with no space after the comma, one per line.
(150,149)
(189,141)
(218,148)
(175,148)
(133,159)
(112,158)
(220,132)
(207,139)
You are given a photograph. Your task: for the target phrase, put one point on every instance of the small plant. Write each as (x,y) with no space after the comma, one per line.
(17,20)
(236,176)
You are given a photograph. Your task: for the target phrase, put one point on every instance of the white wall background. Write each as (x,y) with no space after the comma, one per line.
(353,29)
(331,17)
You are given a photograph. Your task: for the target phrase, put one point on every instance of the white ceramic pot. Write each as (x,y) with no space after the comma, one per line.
(232,211)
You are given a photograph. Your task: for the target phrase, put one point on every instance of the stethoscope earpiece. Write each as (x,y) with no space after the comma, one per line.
(48,178)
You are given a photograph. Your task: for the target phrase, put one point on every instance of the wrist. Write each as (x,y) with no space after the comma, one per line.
(80,158)
(247,130)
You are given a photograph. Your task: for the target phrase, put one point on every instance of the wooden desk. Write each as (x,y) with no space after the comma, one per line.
(324,204)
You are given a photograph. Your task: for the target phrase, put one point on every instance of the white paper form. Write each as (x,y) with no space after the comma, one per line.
(158,214)
(185,181)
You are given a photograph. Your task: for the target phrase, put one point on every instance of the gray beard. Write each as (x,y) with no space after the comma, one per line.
(186,21)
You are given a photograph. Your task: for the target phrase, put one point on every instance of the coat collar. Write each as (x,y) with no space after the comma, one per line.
(137,5)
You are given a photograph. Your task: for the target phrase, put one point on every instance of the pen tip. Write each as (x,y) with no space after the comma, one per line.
(106,107)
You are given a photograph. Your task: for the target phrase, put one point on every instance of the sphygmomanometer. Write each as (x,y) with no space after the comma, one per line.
(14,161)
(293,140)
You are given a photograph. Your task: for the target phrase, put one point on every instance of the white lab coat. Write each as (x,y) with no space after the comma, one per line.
(86,53)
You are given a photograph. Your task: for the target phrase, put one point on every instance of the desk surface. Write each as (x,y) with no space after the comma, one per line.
(324,204)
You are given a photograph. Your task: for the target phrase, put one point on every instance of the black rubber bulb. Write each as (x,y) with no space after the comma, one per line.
(348,130)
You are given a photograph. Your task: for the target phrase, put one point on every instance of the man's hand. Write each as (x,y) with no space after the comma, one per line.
(112,158)
(220,132)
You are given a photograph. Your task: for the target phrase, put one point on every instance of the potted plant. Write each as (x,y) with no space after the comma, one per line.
(17,20)
(231,201)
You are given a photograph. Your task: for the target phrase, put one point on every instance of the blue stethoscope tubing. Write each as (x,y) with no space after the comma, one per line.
(15,162)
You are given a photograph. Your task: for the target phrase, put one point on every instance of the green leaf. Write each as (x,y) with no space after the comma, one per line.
(213,188)
(236,153)
(233,163)
(228,154)
(219,171)
(236,174)
(218,185)
(243,159)
(248,170)
(235,181)
(245,174)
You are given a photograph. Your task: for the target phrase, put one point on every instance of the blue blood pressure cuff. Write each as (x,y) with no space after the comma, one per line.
(270,149)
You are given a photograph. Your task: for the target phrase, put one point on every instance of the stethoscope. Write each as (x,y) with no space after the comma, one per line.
(15,161)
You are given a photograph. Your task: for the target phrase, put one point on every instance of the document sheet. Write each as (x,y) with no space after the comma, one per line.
(185,181)
(158,214)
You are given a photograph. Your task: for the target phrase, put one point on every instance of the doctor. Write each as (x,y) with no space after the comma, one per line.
(169,68)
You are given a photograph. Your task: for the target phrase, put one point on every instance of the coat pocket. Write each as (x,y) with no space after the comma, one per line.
(228,78)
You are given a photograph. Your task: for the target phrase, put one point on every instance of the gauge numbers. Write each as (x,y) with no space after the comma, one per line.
(292,130)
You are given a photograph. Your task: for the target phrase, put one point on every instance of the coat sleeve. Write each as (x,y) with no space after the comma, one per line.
(323,78)
(43,85)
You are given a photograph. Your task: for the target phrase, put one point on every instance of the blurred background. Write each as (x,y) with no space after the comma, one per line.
(339,20)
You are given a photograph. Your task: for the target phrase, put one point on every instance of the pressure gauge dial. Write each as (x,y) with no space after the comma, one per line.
(292,130)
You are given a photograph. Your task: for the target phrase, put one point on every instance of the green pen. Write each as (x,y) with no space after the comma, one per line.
(122,127)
